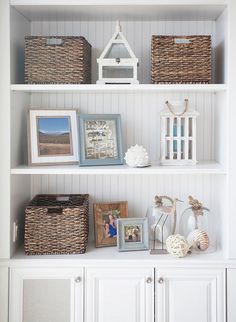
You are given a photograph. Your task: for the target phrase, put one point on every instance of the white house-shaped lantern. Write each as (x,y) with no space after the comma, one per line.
(117,63)
(178,136)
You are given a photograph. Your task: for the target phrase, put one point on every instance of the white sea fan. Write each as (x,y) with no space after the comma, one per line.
(137,156)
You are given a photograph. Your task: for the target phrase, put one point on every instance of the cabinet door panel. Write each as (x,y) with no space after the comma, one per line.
(46,300)
(119,294)
(46,295)
(3,294)
(231,295)
(190,295)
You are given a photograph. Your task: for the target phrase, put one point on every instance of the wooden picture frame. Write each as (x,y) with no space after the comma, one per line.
(132,234)
(105,221)
(100,140)
(52,137)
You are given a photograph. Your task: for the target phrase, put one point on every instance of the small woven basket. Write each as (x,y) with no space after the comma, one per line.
(57,224)
(181,59)
(57,60)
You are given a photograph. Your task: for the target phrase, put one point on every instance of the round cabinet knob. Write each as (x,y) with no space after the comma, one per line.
(161,280)
(149,280)
(78,279)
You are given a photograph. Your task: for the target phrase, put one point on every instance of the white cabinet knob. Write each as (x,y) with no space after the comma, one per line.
(161,280)
(149,280)
(78,279)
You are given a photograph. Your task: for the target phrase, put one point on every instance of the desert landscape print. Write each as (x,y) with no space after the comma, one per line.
(54,136)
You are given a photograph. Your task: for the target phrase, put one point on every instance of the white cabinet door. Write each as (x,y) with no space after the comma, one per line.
(184,295)
(46,295)
(3,294)
(231,295)
(119,295)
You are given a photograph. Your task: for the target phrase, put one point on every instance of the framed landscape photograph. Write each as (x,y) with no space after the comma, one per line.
(52,137)
(132,234)
(106,216)
(100,139)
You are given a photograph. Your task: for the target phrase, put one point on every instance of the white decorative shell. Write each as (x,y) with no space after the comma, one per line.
(137,156)
(177,245)
(198,239)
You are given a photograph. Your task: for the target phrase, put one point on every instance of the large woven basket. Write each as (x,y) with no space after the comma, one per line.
(57,224)
(181,59)
(57,60)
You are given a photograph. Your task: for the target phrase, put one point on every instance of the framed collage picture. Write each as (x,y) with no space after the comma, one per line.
(100,140)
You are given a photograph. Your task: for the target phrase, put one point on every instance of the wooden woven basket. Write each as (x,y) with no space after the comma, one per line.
(57,224)
(57,60)
(181,59)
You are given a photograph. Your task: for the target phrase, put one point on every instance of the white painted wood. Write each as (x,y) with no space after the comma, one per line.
(115,10)
(231,220)
(4,294)
(92,88)
(200,168)
(24,285)
(231,295)
(5,163)
(190,295)
(121,294)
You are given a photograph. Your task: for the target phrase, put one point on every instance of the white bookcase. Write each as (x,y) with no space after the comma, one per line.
(212,180)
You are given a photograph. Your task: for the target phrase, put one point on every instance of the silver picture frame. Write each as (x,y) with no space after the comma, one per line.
(132,234)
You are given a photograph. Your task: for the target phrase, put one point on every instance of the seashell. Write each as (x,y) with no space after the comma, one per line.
(198,239)
(177,245)
(137,156)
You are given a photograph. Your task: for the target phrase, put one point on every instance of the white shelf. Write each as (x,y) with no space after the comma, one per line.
(92,10)
(93,88)
(99,256)
(200,168)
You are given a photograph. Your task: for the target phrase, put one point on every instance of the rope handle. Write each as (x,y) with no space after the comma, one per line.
(170,107)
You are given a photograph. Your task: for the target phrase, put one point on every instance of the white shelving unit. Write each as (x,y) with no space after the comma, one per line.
(139,105)
(212,180)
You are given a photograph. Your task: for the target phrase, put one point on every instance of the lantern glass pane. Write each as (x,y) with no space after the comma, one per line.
(182,149)
(117,51)
(190,127)
(175,127)
(167,157)
(175,145)
(117,72)
(190,149)
(182,126)
(167,126)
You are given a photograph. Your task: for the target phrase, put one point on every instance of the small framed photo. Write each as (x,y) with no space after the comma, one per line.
(52,137)
(133,234)
(100,139)
(106,216)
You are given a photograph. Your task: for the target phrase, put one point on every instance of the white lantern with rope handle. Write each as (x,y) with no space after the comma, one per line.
(178,134)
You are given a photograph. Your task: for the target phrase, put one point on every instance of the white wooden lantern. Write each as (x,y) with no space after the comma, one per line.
(178,135)
(117,63)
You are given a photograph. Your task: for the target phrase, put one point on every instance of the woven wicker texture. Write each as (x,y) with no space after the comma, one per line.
(181,59)
(57,60)
(54,225)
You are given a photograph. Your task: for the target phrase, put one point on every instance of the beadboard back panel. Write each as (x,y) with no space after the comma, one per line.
(140,115)
(138,34)
(139,191)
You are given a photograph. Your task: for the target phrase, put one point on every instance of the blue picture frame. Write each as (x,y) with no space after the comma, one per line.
(94,142)
(132,234)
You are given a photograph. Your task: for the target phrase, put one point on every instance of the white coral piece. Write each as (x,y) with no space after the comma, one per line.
(137,156)
(177,245)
